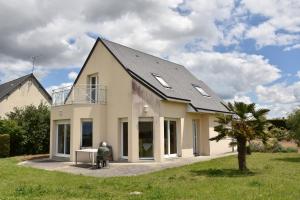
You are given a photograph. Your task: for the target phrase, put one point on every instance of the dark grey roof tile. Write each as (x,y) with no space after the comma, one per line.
(177,76)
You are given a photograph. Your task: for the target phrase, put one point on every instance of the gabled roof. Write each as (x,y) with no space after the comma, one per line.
(142,67)
(9,87)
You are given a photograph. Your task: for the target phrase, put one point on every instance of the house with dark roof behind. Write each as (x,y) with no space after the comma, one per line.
(145,107)
(23,91)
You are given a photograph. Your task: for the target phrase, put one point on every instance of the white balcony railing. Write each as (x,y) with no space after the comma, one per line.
(80,94)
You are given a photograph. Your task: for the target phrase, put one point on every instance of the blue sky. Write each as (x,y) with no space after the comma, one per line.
(246,50)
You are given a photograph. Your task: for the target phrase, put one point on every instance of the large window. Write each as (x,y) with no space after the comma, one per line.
(161,81)
(86,133)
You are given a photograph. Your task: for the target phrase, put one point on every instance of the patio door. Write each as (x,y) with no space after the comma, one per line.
(195,137)
(63,139)
(146,138)
(124,139)
(170,138)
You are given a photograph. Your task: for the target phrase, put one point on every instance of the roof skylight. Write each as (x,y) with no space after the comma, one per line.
(201,91)
(161,81)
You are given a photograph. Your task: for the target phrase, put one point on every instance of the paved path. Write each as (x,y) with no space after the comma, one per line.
(116,168)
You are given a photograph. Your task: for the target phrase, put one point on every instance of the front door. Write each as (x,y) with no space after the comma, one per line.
(124,139)
(63,139)
(170,138)
(146,138)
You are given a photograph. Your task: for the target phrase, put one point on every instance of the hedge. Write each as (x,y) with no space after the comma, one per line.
(4,145)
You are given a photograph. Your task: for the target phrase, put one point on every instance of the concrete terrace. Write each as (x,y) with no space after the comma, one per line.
(116,168)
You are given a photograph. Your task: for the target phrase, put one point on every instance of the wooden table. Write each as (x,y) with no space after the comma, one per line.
(91,152)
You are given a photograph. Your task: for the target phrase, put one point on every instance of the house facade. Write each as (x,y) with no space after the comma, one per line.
(145,107)
(21,92)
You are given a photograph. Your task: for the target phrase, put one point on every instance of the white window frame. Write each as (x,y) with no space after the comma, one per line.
(86,120)
(169,155)
(64,122)
(161,81)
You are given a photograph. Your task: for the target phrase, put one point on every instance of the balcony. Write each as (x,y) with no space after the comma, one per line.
(80,94)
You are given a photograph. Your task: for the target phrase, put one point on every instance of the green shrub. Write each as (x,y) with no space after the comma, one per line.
(35,124)
(294,126)
(4,145)
(291,150)
(257,146)
(272,146)
(279,133)
(276,148)
(16,133)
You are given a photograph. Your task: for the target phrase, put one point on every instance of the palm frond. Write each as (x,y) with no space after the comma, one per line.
(260,113)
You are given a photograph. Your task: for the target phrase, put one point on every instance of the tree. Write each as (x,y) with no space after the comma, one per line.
(244,124)
(35,122)
(293,123)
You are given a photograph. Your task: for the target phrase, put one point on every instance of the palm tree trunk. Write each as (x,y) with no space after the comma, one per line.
(242,151)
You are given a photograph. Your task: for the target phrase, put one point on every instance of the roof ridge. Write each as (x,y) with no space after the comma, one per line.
(27,75)
(142,52)
(10,86)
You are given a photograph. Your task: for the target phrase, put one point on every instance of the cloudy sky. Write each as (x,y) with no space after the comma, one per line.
(246,50)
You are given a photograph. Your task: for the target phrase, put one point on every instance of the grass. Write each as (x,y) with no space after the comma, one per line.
(272,176)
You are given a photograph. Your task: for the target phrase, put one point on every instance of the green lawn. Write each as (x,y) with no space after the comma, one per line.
(272,176)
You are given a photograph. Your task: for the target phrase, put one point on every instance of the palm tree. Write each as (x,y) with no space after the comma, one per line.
(244,124)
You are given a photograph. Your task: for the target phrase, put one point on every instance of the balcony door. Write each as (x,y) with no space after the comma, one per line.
(63,139)
(93,88)
(170,138)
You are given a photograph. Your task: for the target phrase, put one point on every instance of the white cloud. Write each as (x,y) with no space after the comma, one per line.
(184,31)
(42,27)
(298,74)
(241,98)
(281,25)
(229,74)
(278,110)
(279,93)
(281,98)
(72,75)
(292,47)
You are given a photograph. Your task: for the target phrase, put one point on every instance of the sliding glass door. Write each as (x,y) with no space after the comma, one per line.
(170,138)
(146,138)
(63,139)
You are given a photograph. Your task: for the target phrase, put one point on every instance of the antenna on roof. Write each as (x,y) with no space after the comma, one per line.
(33,58)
